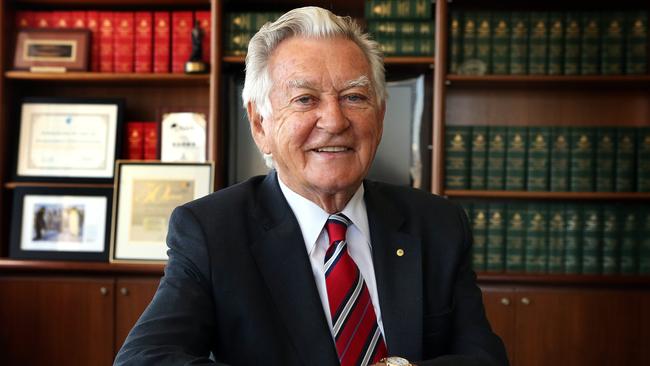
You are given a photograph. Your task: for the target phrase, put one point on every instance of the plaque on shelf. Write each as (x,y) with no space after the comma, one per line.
(183,137)
(52,50)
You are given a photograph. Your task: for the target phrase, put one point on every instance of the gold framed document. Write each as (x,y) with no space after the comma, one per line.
(68,139)
(146,193)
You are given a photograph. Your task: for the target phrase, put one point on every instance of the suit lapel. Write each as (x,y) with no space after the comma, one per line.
(399,278)
(283,261)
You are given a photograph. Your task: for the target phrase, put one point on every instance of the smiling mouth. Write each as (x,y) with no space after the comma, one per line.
(332,149)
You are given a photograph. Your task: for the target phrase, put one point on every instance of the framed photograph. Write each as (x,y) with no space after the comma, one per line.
(146,193)
(64,139)
(52,50)
(60,223)
(183,134)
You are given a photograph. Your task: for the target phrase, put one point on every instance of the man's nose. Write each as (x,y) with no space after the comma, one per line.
(333,118)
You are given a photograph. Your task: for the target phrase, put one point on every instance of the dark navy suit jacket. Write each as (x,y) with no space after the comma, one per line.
(239,284)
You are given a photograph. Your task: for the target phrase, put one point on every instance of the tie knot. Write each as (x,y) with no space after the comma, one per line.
(336,226)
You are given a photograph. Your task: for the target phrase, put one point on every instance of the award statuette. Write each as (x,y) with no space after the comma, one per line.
(196,65)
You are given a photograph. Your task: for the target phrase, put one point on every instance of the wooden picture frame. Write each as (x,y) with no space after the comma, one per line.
(52,50)
(60,223)
(146,193)
(69,139)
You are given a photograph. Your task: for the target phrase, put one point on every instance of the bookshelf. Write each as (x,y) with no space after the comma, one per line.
(557,305)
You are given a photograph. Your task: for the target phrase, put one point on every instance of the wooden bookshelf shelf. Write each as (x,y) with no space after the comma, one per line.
(639,196)
(110,78)
(564,279)
(15,265)
(406,60)
(548,79)
(13,185)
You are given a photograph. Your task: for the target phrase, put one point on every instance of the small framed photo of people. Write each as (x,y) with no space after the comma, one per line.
(69,139)
(60,223)
(146,193)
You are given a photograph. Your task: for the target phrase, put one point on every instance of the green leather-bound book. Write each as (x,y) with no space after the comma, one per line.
(407,46)
(404,9)
(479,157)
(538,158)
(591,245)
(555,43)
(455,41)
(590,43)
(629,241)
(538,44)
(572,36)
(479,231)
(515,237)
(380,9)
(582,159)
(613,43)
(605,158)
(610,240)
(516,158)
(536,235)
(468,27)
(500,43)
(643,160)
(625,165)
(559,169)
(421,9)
(644,239)
(388,45)
(496,237)
(636,43)
(457,153)
(519,43)
(556,225)
(483,40)
(496,157)
(425,37)
(573,239)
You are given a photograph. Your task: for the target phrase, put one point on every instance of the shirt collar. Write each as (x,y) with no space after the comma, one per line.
(311,217)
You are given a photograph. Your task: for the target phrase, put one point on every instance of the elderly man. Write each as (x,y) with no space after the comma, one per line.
(313,265)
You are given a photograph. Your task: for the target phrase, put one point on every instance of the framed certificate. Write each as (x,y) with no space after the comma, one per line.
(68,139)
(146,193)
(60,223)
(183,137)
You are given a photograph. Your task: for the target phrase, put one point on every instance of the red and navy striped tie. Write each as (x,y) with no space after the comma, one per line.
(358,338)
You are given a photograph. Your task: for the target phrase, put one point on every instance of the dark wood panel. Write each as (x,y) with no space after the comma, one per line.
(580,327)
(500,310)
(132,297)
(56,321)
(499,105)
(37,266)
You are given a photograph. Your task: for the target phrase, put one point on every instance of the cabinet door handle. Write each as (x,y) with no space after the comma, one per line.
(525,301)
(103,290)
(124,291)
(505,301)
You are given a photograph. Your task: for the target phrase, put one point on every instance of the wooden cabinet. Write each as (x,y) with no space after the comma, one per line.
(68,319)
(570,325)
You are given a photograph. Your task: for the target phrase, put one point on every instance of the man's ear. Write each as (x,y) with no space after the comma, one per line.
(257,128)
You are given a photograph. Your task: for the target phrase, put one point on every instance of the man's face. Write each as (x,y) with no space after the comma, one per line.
(325,123)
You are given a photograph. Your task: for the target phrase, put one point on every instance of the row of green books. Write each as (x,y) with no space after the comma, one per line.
(548,43)
(569,238)
(557,159)
(239,27)
(398,9)
(404,38)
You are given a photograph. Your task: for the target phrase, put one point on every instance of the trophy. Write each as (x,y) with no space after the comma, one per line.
(196,65)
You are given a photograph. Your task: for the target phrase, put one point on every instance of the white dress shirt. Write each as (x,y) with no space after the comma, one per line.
(312,219)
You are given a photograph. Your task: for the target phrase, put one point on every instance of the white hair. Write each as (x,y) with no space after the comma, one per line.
(311,22)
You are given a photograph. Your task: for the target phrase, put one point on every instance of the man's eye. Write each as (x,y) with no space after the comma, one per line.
(355,98)
(305,99)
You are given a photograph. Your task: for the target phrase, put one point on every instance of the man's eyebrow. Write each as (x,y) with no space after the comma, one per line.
(361,81)
(300,84)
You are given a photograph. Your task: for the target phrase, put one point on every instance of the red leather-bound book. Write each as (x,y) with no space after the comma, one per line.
(134,146)
(151,141)
(106,35)
(92,23)
(182,23)
(123,42)
(143,41)
(161,44)
(25,19)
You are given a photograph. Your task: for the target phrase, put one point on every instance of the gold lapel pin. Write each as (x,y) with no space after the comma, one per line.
(400,252)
